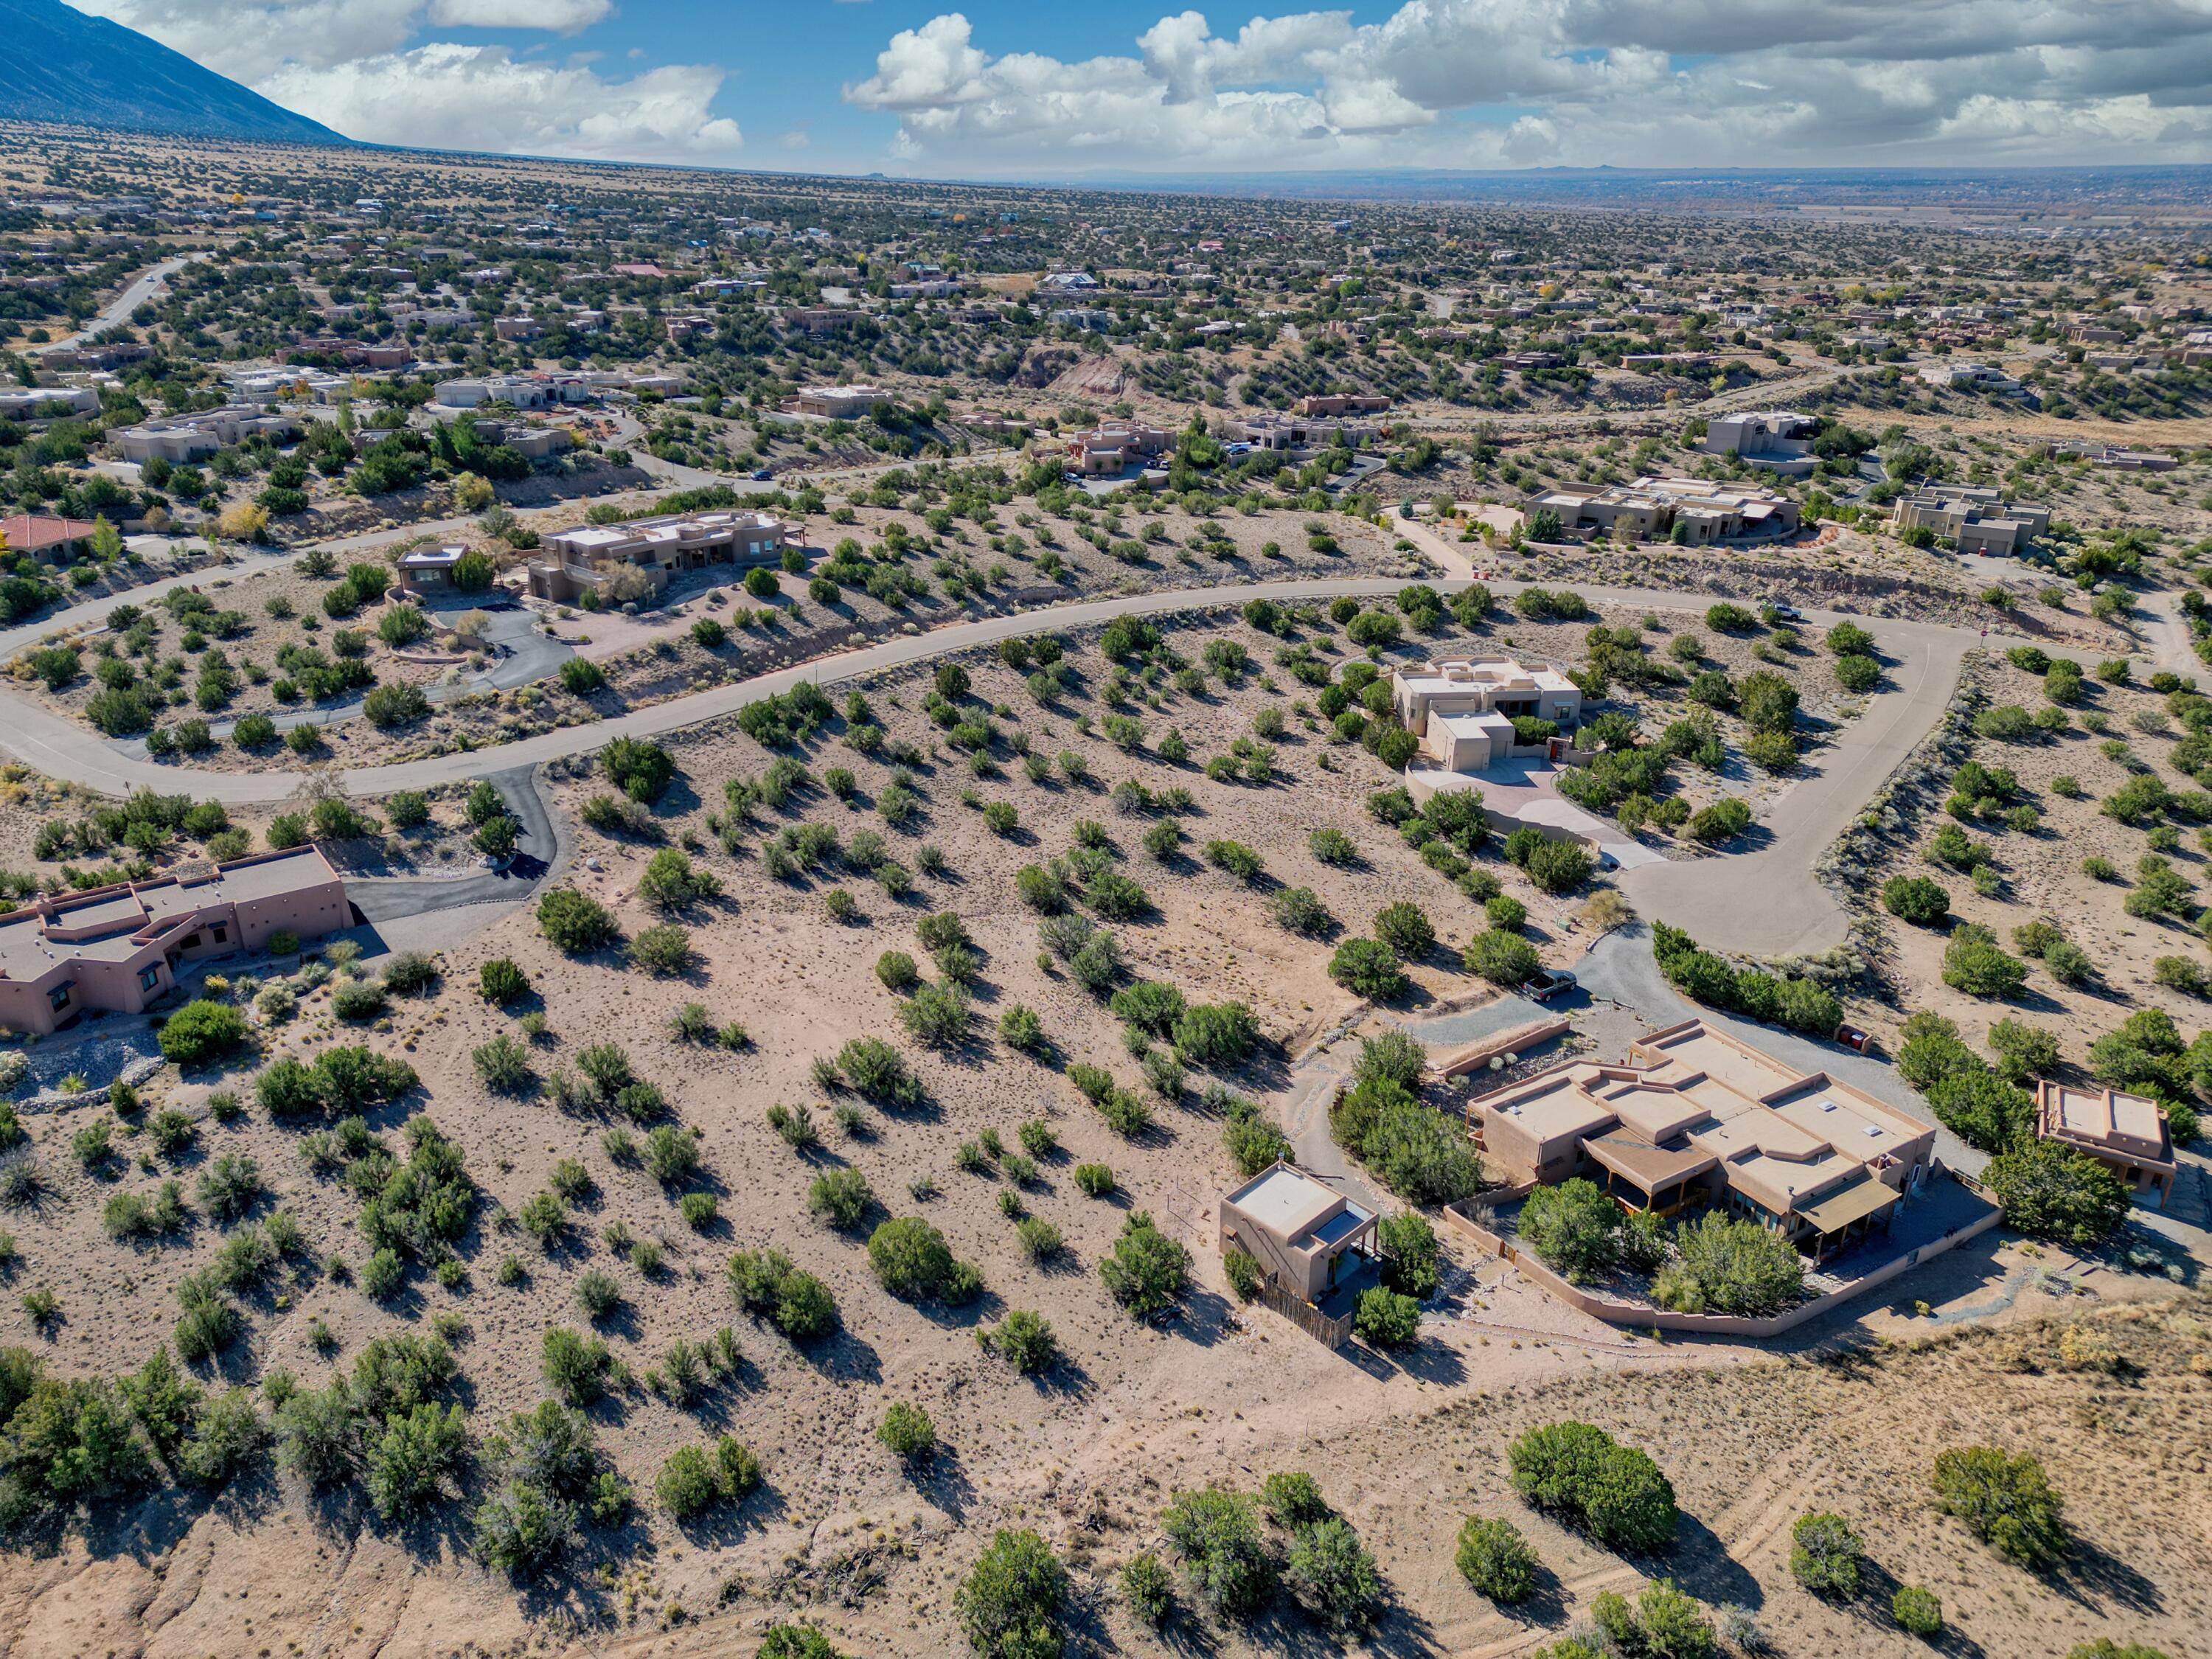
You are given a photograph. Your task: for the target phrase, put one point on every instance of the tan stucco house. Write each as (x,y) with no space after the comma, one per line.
(117,948)
(2126,1133)
(1303,1232)
(1694,1117)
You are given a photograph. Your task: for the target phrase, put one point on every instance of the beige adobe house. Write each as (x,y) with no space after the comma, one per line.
(1299,1230)
(1291,432)
(1109,450)
(842,403)
(183,438)
(1462,708)
(117,948)
(1694,1117)
(1654,508)
(1779,440)
(1979,520)
(572,562)
(2126,1133)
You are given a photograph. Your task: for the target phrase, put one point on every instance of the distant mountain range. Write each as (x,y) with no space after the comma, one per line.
(1987,190)
(64,66)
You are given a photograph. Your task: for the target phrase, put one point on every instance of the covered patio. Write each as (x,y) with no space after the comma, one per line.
(1638,1176)
(1839,1221)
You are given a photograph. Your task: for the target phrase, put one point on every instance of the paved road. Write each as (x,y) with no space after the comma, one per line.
(142,287)
(1768,900)
(58,748)
(246,563)
(1763,901)
(1755,901)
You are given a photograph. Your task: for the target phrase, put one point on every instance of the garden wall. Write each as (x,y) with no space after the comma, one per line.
(1636,1315)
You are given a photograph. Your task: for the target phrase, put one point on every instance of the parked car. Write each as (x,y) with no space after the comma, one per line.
(762,474)
(1549,983)
(1789,613)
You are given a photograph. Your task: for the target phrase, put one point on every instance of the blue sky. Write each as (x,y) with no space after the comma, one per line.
(1012,89)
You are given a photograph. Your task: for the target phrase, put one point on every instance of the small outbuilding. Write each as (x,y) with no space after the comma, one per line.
(1302,1232)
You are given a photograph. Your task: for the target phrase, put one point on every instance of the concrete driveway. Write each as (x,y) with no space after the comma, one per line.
(541,854)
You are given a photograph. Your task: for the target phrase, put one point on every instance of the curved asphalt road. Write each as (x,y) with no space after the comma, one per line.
(1763,901)
(540,855)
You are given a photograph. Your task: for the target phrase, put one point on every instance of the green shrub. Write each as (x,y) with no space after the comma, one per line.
(502,982)
(1367,968)
(2005,1500)
(202,1031)
(1916,899)
(1146,1272)
(908,1432)
(798,1303)
(1024,1340)
(1613,1491)
(1497,1561)
(1384,1318)
(1242,1271)
(1217,1535)
(1730,1264)
(1010,1603)
(1826,1557)
(1503,958)
(2050,1191)
(1147,1589)
(1918,1611)
(576,925)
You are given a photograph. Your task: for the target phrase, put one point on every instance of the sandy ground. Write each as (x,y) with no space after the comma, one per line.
(2043,877)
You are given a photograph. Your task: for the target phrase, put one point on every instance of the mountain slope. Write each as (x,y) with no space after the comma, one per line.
(62,65)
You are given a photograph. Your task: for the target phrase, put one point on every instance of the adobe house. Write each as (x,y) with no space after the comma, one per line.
(571,562)
(117,948)
(1462,708)
(1298,1228)
(1694,1117)
(2126,1133)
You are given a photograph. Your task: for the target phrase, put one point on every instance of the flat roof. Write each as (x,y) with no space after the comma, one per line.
(1692,1091)
(1287,1202)
(2129,1125)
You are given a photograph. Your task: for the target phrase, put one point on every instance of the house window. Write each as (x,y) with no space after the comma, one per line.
(221,933)
(190,942)
(58,996)
(148,978)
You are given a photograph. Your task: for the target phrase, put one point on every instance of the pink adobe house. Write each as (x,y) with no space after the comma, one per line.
(117,949)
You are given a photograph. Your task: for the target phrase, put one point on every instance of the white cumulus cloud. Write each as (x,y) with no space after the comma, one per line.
(1473,83)
(362,68)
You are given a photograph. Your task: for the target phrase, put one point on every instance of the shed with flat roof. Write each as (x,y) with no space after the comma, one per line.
(1299,1228)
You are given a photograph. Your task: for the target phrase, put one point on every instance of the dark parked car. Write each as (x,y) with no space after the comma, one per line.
(1549,984)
